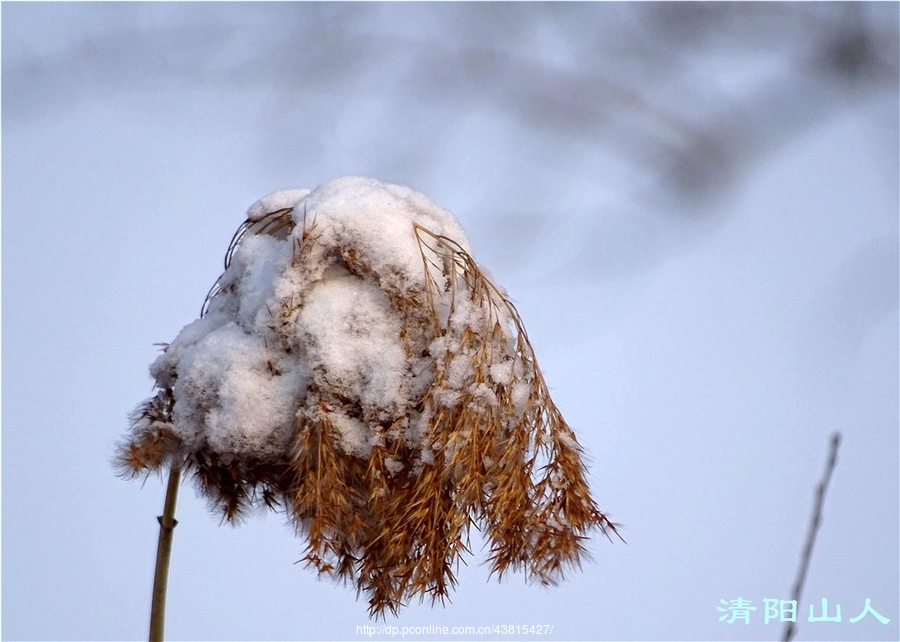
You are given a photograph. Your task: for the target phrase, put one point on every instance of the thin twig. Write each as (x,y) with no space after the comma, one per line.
(789,629)
(167,524)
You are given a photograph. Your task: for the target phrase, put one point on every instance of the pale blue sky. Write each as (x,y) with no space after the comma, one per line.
(703,345)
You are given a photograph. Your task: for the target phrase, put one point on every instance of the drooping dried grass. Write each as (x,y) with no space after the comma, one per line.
(484,446)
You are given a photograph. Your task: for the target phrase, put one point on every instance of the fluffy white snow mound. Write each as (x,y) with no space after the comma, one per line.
(327,306)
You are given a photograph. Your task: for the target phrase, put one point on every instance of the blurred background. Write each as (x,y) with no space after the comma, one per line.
(694,206)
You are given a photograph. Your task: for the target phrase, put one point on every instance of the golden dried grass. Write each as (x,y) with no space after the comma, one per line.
(495,452)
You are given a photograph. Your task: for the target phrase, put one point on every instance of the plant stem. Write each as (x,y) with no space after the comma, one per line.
(814,522)
(167,524)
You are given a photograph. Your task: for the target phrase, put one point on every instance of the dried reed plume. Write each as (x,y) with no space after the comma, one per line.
(472,439)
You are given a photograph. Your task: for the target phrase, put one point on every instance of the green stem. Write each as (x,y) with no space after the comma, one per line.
(167,524)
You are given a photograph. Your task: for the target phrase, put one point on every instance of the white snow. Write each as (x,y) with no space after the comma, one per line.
(227,394)
(259,262)
(275,201)
(292,332)
(356,438)
(521,390)
(350,333)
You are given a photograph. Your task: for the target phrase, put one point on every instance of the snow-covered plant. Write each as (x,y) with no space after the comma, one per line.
(356,367)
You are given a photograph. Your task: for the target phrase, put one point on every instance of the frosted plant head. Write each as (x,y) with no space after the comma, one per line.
(356,367)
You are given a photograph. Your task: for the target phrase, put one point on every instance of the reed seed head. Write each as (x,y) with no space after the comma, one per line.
(355,367)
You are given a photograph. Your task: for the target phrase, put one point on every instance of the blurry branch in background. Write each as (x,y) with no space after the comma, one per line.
(685,96)
(789,628)
(631,123)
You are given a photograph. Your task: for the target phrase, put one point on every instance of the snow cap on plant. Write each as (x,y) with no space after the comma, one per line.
(356,366)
